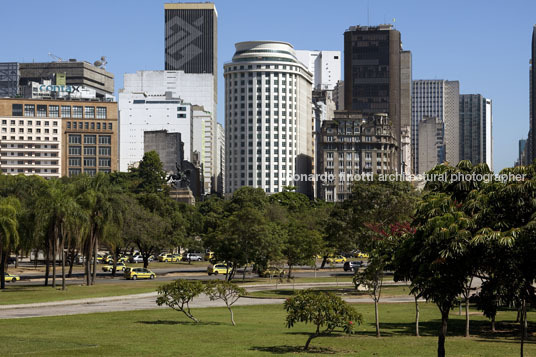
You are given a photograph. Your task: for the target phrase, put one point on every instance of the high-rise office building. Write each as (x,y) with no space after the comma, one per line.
(220,160)
(267,118)
(521,156)
(204,132)
(9,79)
(436,99)
(376,77)
(191,37)
(476,120)
(431,144)
(324,65)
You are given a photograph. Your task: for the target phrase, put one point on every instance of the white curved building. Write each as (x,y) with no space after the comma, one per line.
(267,118)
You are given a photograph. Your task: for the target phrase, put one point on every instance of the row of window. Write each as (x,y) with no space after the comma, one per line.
(29,146)
(89,125)
(30,122)
(90,172)
(29,130)
(262,66)
(89,162)
(53,111)
(30,154)
(90,139)
(30,171)
(29,162)
(30,138)
(90,150)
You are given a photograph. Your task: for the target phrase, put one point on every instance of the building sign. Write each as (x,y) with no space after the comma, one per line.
(57,88)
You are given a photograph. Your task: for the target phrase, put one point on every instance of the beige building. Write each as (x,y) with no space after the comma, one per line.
(53,138)
(351,145)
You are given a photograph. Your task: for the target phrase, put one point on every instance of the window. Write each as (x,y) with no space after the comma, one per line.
(90,161)
(16,110)
(89,112)
(105,151)
(74,161)
(105,139)
(90,150)
(74,172)
(181,109)
(181,115)
(105,162)
(101,112)
(41,110)
(29,110)
(109,126)
(53,111)
(75,139)
(77,112)
(74,150)
(89,139)
(65,111)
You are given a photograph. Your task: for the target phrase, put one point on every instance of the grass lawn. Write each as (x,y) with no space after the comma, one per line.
(20,294)
(387,291)
(260,331)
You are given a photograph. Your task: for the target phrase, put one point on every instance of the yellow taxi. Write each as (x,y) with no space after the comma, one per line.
(209,255)
(139,273)
(362,255)
(219,268)
(336,259)
(11,278)
(118,267)
(168,258)
(273,271)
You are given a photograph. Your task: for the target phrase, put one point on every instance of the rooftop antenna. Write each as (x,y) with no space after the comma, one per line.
(56,58)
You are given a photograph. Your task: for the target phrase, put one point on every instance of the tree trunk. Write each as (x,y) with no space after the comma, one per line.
(88,261)
(95,249)
(17,259)
(62,265)
(2,268)
(442,333)
(71,262)
(289,271)
(54,254)
(522,322)
(467,316)
(311,337)
(376,315)
(493,323)
(145,260)
(47,261)
(324,260)
(232,315)
(417,313)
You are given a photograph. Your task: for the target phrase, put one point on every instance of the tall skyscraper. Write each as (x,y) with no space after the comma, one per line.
(324,65)
(476,120)
(431,144)
(191,37)
(436,99)
(267,117)
(375,75)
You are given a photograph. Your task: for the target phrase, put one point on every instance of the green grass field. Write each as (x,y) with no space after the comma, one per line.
(347,291)
(260,332)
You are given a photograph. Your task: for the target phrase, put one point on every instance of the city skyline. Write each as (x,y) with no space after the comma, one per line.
(485,57)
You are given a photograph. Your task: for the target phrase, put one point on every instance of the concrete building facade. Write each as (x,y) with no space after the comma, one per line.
(436,99)
(220,160)
(431,144)
(354,144)
(267,118)
(324,65)
(476,134)
(140,112)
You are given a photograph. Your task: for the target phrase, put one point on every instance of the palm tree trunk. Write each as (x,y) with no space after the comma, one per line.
(2,267)
(73,255)
(94,273)
(62,262)
(54,244)
(522,322)
(47,260)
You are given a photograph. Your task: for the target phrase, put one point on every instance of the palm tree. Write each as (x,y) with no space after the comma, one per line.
(9,235)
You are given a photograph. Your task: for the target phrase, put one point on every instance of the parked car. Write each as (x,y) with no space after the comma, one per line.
(139,273)
(209,255)
(11,260)
(119,267)
(168,258)
(361,255)
(11,278)
(273,271)
(219,268)
(349,266)
(336,259)
(138,258)
(194,257)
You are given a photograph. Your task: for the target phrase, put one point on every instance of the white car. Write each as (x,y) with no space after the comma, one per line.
(136,259)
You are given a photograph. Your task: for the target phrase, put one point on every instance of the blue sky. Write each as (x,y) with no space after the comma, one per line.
(483,44)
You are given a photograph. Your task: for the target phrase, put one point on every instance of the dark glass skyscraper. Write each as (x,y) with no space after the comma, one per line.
(191,37)
(531,147)
(372,75)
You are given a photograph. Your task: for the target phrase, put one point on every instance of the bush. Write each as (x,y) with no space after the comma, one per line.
(179,294)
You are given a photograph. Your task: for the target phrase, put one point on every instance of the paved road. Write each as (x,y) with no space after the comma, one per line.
(147,301)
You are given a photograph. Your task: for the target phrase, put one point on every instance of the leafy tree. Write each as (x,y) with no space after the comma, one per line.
(178,295)
(321,309)
(151,174)
(226,291)
(434,255)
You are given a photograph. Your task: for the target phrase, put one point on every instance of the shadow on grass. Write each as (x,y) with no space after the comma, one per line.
(279,350)
(173,322)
